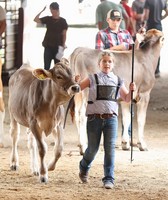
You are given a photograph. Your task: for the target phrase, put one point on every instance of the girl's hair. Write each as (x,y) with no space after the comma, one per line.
(105,53)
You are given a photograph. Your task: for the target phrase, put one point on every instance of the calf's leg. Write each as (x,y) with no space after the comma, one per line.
(58,147)
(80,120)
(2,116)
(32,146)
(42,149)
(141,119)
(58,136)
(126,119)
(15,133)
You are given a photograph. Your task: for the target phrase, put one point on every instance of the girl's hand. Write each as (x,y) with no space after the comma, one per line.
(132,86)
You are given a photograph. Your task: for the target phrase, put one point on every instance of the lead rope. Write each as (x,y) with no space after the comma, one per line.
(132,79)
(67,109)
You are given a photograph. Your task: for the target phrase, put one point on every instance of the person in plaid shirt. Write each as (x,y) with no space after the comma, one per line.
(113,37)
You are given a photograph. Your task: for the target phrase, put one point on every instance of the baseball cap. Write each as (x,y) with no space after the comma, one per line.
(114,14)
(54,6)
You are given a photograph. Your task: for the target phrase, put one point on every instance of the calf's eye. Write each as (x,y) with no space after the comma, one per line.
(59,77)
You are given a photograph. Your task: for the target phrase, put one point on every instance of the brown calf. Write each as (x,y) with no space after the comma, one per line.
(36,97)
(85,60)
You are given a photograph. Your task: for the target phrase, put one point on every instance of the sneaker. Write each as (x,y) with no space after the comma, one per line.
(108,185)
(83,177)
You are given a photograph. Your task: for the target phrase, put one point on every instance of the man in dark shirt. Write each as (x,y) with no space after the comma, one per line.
(55,37)
(153,14)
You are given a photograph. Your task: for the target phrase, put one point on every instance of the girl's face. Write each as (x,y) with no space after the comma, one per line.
(106,64)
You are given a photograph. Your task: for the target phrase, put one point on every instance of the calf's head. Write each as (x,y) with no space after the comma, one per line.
(61,77)
(152,37)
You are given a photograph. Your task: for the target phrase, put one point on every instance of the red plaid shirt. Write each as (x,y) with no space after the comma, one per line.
(107,38)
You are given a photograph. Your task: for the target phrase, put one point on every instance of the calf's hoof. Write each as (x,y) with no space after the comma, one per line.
(141,147)
(125,146)
(81,149)
(36,173)
(14,168)
(51,167)
(43,179)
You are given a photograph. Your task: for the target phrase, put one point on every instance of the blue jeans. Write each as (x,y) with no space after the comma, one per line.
(95,128)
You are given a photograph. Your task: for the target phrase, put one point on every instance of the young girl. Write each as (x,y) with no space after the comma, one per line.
(102,111)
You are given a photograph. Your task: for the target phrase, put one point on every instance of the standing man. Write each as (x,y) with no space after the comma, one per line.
(2,106)
(138,13)
(131,26)
(101,14)
(55,37)
(153,14)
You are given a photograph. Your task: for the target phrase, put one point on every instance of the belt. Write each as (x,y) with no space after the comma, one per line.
(102,116)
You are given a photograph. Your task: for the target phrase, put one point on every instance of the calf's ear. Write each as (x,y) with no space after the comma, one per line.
(41,74)
(161,40)
(140,37)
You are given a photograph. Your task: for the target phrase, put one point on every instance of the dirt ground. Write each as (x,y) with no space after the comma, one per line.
(145,178)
